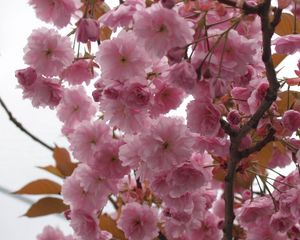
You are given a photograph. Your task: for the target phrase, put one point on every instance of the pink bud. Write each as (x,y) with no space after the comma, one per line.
(168,3)
(234,117)
(26,77)
(175,55)
(87,29)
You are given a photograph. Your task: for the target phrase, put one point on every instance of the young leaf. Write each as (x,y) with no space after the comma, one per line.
(286,25)
(41,186)
(108,224)
(63,161)
(278,58)
(53,170)
(46,206)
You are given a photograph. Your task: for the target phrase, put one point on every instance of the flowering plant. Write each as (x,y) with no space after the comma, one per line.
(204,175)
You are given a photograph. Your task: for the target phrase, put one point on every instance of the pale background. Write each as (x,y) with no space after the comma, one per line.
(19,155)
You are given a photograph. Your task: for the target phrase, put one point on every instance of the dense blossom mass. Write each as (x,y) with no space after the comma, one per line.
(201,176)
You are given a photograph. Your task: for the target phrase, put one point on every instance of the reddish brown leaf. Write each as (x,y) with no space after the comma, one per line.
(63,161)
(41,186)
(108,224)
(286,25)
(105,33)
(278,58)
(46,206)
(51,169)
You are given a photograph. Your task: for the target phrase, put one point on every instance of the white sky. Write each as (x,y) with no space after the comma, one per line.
(19,155)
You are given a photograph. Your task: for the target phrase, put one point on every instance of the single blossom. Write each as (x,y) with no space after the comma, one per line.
(291,120)
(75,107)
(50,233)
(57,12)
(161,29)
(139,222)
(122,58)
(87,30)
(78,72)
(203,117)
(87,138)
(288,44)
(48,52)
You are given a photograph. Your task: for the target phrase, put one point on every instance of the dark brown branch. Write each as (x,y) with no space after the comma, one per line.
(267,28)
(113,202)
(227,128)
(259,146)
(229,189)
(19,125)
(248,9)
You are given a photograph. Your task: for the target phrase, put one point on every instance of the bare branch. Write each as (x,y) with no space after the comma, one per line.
(20,126)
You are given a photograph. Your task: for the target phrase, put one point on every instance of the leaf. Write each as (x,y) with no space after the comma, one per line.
(51,169)
(100,8)
(46,206)
(105,33)
(286,25)
(41,186)
(63,161)
(108,224)
(264,156)
(286,100)
(278,58)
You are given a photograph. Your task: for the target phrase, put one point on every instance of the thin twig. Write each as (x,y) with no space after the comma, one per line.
(20,126)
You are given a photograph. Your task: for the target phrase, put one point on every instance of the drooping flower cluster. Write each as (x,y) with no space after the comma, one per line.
(165,175)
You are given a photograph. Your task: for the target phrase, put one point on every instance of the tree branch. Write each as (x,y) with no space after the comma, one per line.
(259,146)
(227,128)
(19,125)
(248,9)
(267,29)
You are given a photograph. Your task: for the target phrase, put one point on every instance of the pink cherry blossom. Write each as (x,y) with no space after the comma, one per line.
(186,178)
(183,75)
(139,222)
(87,139)
(106,161)
(120,115)
(136,96)
(288,44)
(48,52)
(87,30)
(50,233)
(255,212)
(167,97)
(79,72)
(40,90)
(129,152)
(291,120)
(257,96)
(123,15)
(79,197)
(75,106)
(203,117)
(281,223)
(26,77)
(56,11)
(85,224)
(122,58)
(161,29)
(166,148)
